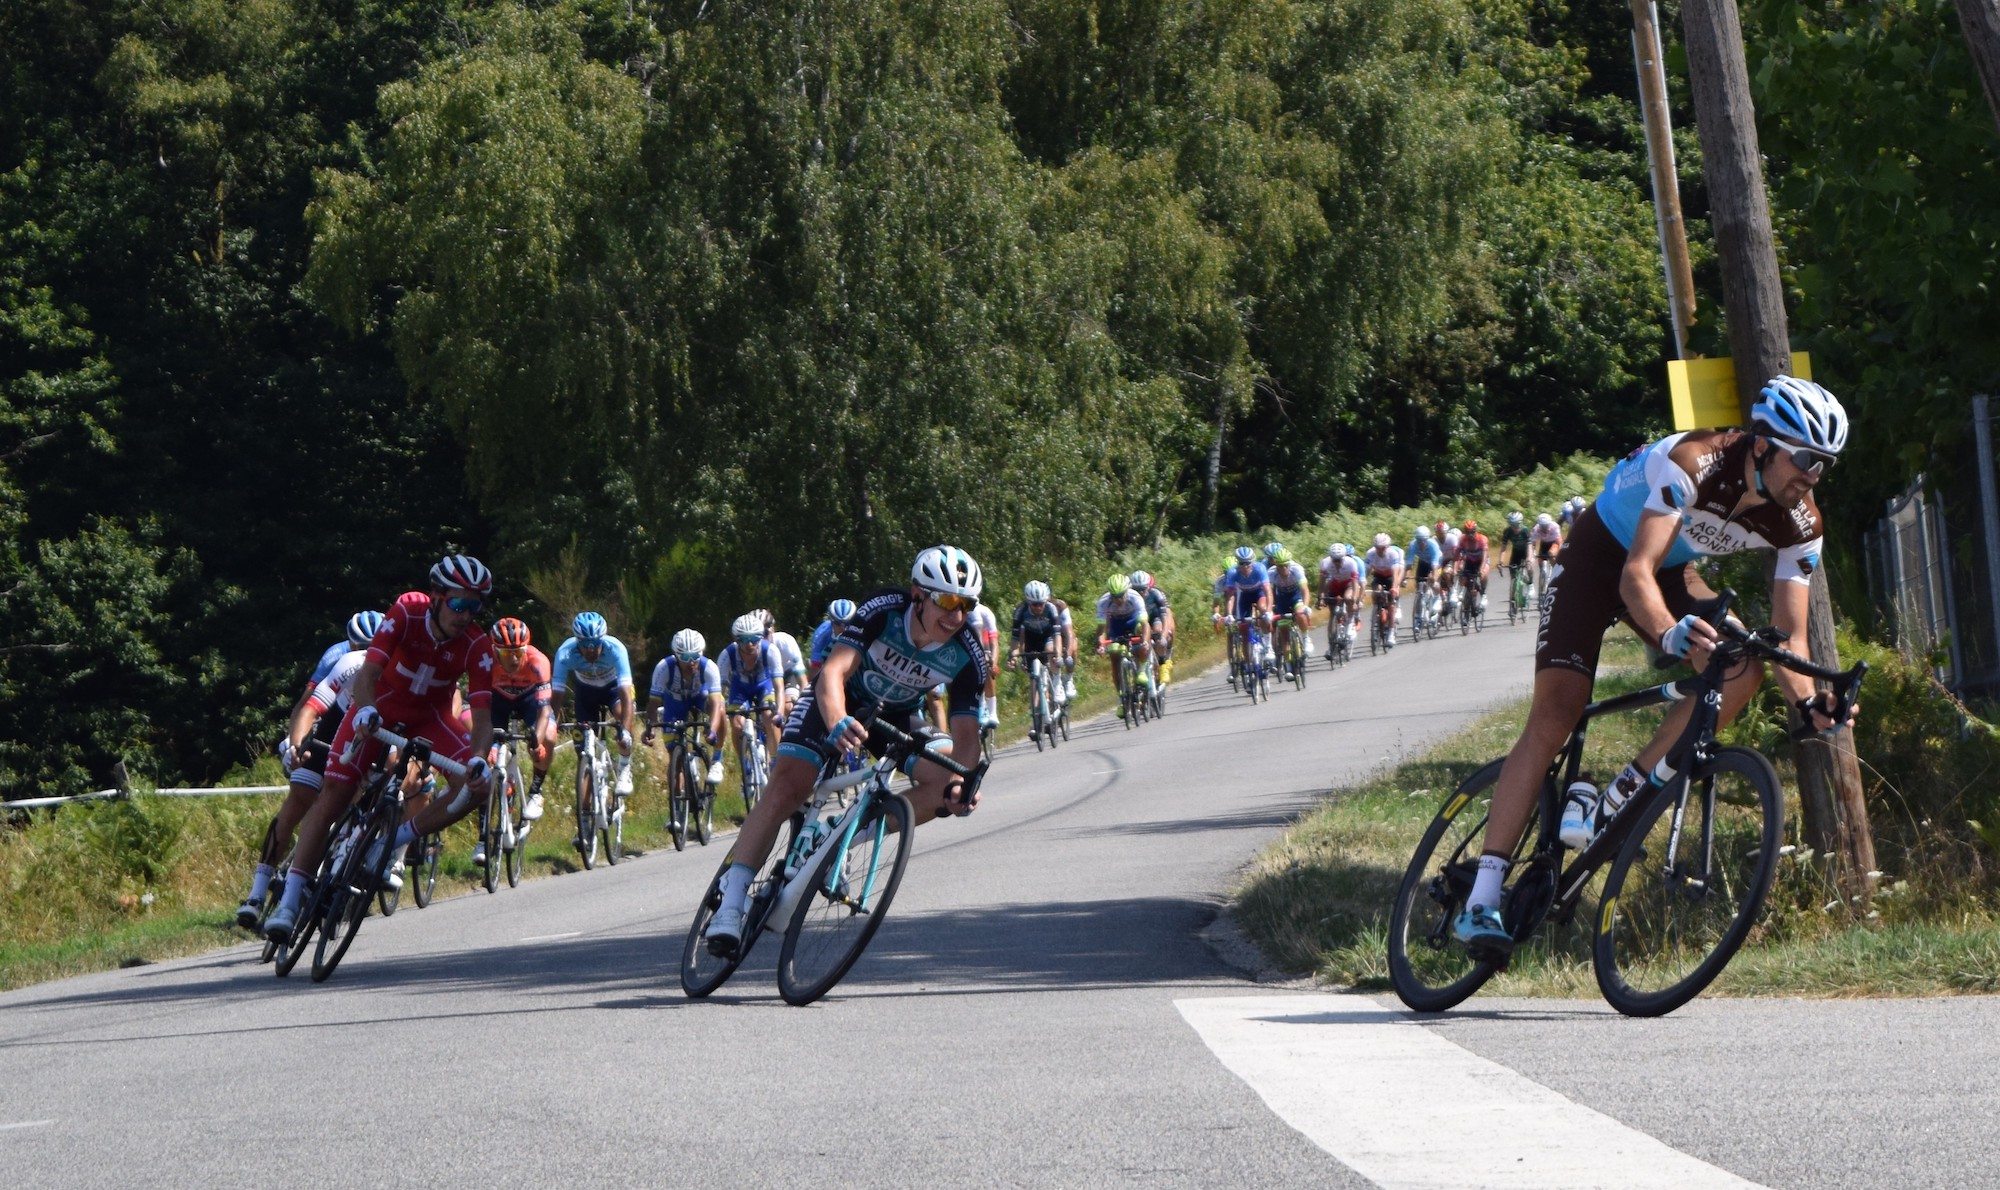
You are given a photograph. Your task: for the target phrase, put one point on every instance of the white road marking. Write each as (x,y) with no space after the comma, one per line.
(1405,1107)
(553,937)
(26,1124)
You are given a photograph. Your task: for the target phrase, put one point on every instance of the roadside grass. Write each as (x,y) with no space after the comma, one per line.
(1317,901)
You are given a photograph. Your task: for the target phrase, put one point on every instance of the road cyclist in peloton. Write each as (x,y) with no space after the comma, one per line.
(752,680)
(1547,539)
(1246,608)
(1037,633)
(522,690)
(302,753)
(408,679)
(1424,556)
(1474,562)
(1384,564)
(839,614)
(1514,552)
(791,660)
(983,623)
(682,681)
(1291,609)
(1685,497)
(1159,621)
(1340,589)
(1121,612)
(901,642)
(594,669)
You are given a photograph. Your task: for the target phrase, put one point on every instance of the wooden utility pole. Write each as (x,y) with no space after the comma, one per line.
(1647,59)
(1831,798)
(1980,19)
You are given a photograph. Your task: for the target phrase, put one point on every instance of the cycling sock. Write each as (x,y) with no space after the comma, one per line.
(736,886)
(295,887)
(1486,885)
(260,881)
(405,834)
(535,787)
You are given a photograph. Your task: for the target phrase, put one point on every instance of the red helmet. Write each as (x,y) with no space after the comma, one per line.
(1472,526)
(510,634)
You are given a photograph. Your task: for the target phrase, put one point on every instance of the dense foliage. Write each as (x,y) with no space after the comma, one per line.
(681,306)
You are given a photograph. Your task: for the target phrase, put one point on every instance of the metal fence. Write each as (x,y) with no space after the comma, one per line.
(1934,565)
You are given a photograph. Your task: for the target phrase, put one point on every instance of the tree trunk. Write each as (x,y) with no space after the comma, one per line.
(1980,19)
(1212,479)
(1830,792)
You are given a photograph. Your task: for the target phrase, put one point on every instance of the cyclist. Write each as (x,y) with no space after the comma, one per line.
(302,753)
(1159,621)
(1514,548)
(1546,538)
(1066,689)
(1121,612)
(1685,497)
(982,622)
(1245,591)
(1340,581)
(838,614)
(1289,604)
(751,672)
(791,660)
(1447,539)
(1037,631)
(682,681)
(1425,556)
(901,642)
(408,677)
(1384,564)
(521,690)
(597,665)
(1473,563)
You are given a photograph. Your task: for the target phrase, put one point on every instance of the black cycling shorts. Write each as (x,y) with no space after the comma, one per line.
(1582,600)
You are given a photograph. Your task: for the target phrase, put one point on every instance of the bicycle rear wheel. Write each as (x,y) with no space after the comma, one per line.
(679,799)
(1688,884)
(1430,970)
(613,820)
(489,837)
(702,972)
(517,852)
(851,890)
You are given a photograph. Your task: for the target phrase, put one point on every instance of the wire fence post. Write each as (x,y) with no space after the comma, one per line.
(1989,507)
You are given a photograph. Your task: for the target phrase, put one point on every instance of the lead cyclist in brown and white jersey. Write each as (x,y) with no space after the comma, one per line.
(1685,497)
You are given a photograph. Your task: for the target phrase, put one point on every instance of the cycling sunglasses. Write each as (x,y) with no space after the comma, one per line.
(511,656)
(750,640)
(593,647)
(687,658)
(953,603)
(1806,459)
(464,604)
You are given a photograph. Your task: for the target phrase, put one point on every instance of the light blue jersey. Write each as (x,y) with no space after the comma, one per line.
(611,670)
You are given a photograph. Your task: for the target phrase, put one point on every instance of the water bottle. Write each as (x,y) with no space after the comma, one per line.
(1579,814)
(808,840)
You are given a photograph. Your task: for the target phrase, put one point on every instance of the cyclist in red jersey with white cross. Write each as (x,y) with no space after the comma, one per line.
(426,643)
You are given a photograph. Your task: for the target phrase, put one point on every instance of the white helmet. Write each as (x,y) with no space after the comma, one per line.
(1544,519)
(1513,518)
(1802,413)
(1423,531)
(688,644)
(748,626)
(1381,541)
(1036,591)
(462,572)
(948,570)
(1336,550)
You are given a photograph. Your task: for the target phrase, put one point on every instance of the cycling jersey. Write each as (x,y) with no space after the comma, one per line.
(1036,631)
(418,669)
(1289,578)
(822,642)
(1121,615)
(1514,544)
(1472,551)
(1545,537)
(791,661)
(679,690)
(336,688)
(744,683)
(1156,605)
(528,680)
(1338,574)
(1423,552)
(1448,548)
(980,618)
(1246,588)
(1699,478)
(324,666)
(612,669)
(1385,561)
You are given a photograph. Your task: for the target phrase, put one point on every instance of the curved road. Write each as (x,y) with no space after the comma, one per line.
(1041,1008)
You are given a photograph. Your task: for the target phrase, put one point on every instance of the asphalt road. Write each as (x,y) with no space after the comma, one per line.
(1031,1014)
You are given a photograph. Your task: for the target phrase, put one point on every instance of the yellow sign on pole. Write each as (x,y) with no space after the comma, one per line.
(1704,391)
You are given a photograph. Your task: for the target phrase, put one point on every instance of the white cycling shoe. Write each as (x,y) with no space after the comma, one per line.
(532,812)
(715,773)
(725,933)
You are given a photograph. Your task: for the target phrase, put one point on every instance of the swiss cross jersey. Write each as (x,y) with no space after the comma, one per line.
(1699,477)
(893,674)
(336,688)
(419,670)
(530,679)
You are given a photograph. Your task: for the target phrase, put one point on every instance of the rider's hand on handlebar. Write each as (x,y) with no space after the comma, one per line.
(647,738)
(1819,710)
(366,720)
(1691,638)
(476,770)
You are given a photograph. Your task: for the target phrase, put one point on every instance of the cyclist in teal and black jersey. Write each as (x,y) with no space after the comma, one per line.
(901,642)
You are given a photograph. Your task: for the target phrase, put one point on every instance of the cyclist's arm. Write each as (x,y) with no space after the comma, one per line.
(715,714)
(1639,585)
(830,692)
(304,717)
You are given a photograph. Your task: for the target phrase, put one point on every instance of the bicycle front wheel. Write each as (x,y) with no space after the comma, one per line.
(1430,970)
(853,883)
(1688,884)
(424,872)
(490,837)
(346,904)
(586,811)
(679,798)
(703,972)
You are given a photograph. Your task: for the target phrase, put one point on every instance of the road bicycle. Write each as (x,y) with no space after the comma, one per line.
(1690,857)
(1042,699)
(690,800)
(1156,690)
(426,853)
(1545,565)
(1256,681)
(597,818)
(1471,606)
(358,855)
(503,832)
(1295,654)
(1340,635)
(1234,644)
(830,878)
(1440,612)
(1134,704)
(1517,593)
(1382,623)
(753,759)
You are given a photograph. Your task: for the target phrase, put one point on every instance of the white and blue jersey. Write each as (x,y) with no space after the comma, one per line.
(327,661)
(745,685)
(1121,615)
(611,670)
(680,691)
(1246,589)
(1424,554)
(1699,478)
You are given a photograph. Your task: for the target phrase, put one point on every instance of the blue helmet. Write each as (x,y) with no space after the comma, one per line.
(588,627)
(1273,548)
(362,627)
(840,611)
(1245,554)
(1802,413)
